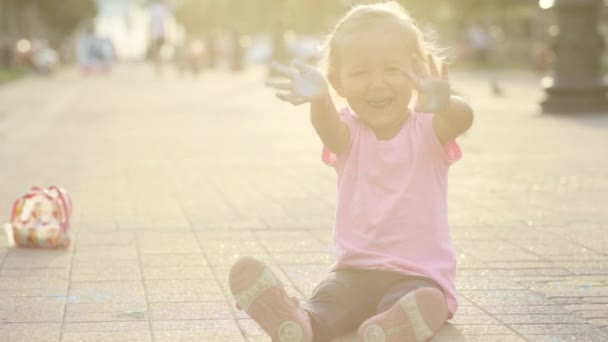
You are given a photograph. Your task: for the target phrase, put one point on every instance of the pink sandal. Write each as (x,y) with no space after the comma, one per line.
(404,321)
(257,291)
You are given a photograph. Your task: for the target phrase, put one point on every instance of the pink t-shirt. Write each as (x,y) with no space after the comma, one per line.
(392,202)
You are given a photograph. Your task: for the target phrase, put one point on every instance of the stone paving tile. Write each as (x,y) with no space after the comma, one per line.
(106,331)
(223,236)
(483,338)
(465,283)
(33,283)
(176,272)
(576,329)
(595,300)
(233,224)
(159,291)
(486,233)
(173,260)
(189,310)
(136,225)
(465,309)
(104,312)
(107,292)
(506,265)
(303,259)
(105,270)
(587,307)
(296,246)
(534,244)
(167,243)
(325,236)
(61,273)
(505,297)
(97,254)
(586,267)
(96,225)
(483,319)
(467,261)
(3,252)
(31,309)
(229,252)
(459,330)
(491,251)
(197,330)
(560,250)
(516,273)
(569,300)
(91,237)
(599,322)
(550,338)
(572,287)
(527,310)
(29,332)
(37,258)
(593,314)
(35,292)
(539,319)
(284,235)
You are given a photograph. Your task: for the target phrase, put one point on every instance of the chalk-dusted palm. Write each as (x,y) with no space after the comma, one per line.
(303,84)
(433,87)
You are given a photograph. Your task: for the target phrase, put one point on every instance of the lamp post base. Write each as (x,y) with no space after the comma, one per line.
(590,99)
(577,85)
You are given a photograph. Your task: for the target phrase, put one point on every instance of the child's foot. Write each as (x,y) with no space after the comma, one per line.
(415,317)
(257,291)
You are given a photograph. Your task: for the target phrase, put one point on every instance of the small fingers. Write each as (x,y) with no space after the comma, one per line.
(284,69)
(302,67)
(413,78)
(291,98)
(420,67)
(444,72)
(433,66)
(279,85)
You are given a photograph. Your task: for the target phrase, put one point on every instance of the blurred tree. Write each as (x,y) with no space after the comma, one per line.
(64,16)
(18,16)
(194,15)
(199,18)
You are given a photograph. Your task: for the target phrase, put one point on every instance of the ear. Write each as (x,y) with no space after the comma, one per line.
(334,80)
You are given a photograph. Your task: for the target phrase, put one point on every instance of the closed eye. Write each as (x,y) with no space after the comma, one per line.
(359,73)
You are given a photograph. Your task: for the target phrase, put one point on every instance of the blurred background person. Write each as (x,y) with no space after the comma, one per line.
(479,43)
(158,12)
(94,54)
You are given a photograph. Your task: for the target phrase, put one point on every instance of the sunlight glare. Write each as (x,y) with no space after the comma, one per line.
(24,46)
(546,4)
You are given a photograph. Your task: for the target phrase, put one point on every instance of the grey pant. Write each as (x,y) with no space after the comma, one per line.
(346,298)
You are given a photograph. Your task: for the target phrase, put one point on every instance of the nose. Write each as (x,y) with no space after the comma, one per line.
(377,80)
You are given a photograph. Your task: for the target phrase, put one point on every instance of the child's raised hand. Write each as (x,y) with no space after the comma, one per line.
(304,83)
(433,87)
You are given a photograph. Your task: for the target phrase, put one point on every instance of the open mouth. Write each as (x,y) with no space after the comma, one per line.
(379,102)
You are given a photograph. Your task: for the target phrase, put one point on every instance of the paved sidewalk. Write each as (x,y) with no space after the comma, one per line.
(174,180)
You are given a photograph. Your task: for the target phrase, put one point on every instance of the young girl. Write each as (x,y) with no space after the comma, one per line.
(394,275)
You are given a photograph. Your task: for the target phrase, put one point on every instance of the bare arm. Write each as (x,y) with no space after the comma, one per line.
(456,119)
(453,116)
(305,84)
(334,133)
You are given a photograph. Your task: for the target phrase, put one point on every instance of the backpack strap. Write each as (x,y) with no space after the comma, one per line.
(65,205)
(33,192)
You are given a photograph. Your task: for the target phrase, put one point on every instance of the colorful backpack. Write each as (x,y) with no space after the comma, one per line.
(41,218)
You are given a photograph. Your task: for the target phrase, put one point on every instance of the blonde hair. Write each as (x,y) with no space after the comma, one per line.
(364,17)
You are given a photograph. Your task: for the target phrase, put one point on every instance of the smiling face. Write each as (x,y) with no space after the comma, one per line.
(369,76)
